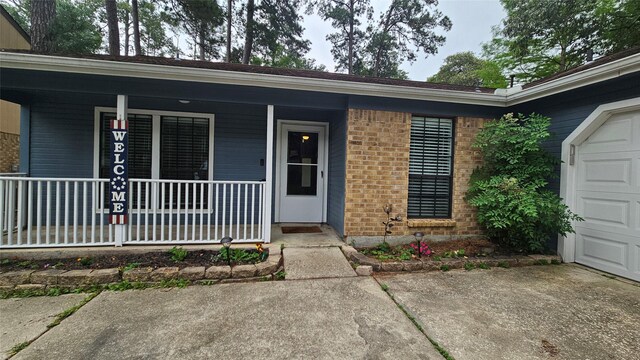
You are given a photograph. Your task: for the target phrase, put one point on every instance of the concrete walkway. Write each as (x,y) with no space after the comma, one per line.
(23,320)
(316,263)
(348,318)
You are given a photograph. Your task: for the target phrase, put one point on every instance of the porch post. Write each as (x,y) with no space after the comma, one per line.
(268,191)
(120,230)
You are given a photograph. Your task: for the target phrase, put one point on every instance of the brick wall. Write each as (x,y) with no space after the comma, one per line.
(377,173)
(9,150)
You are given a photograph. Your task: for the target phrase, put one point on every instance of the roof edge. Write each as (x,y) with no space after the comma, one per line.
(607,71)
(38,62)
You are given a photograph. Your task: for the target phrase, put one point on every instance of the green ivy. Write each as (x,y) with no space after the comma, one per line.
(510,189)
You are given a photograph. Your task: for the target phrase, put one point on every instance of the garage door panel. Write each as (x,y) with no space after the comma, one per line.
(614,135)
(605,211)
(597,247)
(608,172)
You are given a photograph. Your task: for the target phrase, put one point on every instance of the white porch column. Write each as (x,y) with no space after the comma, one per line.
(268,191)
(120,231)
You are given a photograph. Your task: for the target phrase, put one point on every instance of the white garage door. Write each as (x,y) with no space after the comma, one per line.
(608,197)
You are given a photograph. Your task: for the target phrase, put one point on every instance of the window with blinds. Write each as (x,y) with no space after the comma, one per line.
(184,148)
(140,135)
(430,168)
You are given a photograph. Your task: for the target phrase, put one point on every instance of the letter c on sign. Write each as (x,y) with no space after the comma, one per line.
(118,169)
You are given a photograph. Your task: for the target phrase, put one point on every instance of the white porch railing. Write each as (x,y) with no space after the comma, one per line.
(46,212)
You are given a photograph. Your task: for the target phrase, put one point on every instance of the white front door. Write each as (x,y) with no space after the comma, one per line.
(608,197)
(302,168)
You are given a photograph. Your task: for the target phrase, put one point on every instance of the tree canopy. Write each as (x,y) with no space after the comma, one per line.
(465,68)
(541,37)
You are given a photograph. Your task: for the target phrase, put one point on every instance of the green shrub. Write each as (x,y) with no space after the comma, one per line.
(178,254)
(509,189)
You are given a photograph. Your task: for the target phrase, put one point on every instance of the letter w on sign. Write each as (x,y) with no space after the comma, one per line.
(119,172)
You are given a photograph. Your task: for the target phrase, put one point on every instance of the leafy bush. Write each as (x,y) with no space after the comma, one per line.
(509,189)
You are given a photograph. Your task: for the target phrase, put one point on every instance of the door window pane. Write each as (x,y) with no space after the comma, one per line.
(302,179)
(302,148)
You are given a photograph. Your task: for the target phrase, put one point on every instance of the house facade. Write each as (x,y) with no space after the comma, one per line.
(227,150)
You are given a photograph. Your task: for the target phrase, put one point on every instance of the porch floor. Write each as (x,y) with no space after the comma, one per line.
(328,237)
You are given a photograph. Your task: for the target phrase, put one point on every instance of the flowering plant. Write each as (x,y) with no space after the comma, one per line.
(422,250)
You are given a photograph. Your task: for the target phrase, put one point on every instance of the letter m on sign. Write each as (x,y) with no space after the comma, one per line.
(118,172)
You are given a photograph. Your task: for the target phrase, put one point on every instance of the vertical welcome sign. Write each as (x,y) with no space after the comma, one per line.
(119,172)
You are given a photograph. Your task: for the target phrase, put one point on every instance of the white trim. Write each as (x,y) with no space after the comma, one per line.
(325,178)
(568,176)
(268,187)
(155,137)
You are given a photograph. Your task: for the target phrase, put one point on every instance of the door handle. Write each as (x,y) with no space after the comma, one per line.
(322,174)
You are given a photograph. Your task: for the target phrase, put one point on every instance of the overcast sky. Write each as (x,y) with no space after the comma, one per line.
(472,22)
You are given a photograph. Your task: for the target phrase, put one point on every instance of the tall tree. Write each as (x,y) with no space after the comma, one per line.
(404,29)
(541,37)
(43,15)
(249,32)
(135,18)
(345,17)
(201,20)
(229,27)
(465,68)
(112,24)
(620,21)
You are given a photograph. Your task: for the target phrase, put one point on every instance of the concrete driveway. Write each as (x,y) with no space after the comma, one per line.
(348,318)
(543,312)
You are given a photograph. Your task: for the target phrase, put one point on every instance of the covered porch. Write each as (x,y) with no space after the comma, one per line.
(206,161)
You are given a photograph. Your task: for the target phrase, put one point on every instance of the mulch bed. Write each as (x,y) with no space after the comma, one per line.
(472,247)
(300,229)
(149,259)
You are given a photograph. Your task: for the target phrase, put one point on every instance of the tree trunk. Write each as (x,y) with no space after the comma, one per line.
(351,20)
(229,18)
(248,42)
(112,24)
(127,36)
(385,30)
(43,16)
(201,43)
(136,27)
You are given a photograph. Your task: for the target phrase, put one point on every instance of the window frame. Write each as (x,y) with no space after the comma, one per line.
(449,215)
(155,137)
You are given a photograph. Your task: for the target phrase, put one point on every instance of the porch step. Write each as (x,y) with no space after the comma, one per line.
(316,263)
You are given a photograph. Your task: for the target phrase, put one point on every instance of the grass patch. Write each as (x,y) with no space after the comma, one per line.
(541,262)
(18,347)
(556,262)
(504,264)
(469,266)
(70,311)
(280,275)
(445,268)
(484,266)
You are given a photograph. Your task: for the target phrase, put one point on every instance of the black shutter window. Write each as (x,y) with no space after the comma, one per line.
(430,168)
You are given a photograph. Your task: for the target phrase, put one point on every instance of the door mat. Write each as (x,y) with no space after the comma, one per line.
(300,229)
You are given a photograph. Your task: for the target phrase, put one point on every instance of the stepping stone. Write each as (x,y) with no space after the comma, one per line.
(316,263)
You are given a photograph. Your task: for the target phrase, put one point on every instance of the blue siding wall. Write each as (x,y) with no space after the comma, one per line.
(569,109)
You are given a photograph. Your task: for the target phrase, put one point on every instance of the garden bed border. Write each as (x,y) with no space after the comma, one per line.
(69,280)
